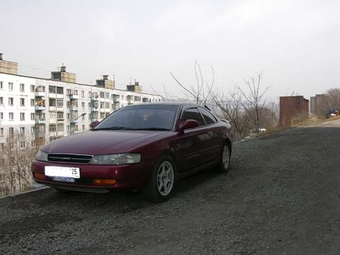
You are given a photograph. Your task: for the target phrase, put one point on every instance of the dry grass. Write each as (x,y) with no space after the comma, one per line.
(312,121)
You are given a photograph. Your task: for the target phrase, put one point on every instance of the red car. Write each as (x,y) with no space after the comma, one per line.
(145,146)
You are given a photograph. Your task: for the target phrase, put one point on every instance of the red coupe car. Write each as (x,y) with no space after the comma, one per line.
(144,146)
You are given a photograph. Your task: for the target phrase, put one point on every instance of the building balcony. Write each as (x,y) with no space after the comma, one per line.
(73,97)
(60,133)
(53,133)
(60,119)
(40,134)
(116,99)
(40,107)
(94,109)
(60,109)
(73,108)
(73,121)
(52,95)
(52,120)
(39,94)
(40,121)
(52,108)
(94,98)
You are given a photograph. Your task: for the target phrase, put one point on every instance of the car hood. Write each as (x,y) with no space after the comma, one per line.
(102,142)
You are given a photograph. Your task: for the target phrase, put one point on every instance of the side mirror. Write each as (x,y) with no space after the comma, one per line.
(94,124)
(188,124)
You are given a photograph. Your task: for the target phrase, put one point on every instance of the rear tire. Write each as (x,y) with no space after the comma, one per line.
(161,184)
(225,155)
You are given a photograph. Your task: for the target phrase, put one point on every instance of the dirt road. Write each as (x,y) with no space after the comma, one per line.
(282,196)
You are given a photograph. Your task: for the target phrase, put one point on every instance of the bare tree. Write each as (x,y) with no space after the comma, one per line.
(231,108)
(200,93)
(17,155)
(333,98)
(254,98)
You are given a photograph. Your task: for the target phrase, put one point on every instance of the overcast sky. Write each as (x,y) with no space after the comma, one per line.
(295,43)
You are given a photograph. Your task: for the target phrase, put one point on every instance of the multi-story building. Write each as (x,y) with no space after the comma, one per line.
(46,109)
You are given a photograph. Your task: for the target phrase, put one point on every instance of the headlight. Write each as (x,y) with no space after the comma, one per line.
(116,159)
(41,156)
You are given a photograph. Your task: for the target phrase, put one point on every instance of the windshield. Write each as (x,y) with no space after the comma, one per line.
(141,117)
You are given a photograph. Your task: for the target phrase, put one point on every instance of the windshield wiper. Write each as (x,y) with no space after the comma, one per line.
(113,128)
(153,128)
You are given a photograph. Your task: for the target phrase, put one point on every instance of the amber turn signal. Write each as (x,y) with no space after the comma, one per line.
(39,176)
(104,181)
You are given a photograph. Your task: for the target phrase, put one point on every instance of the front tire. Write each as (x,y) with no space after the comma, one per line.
(225,155)
(162,180)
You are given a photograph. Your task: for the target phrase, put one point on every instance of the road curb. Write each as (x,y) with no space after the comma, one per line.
(13,197)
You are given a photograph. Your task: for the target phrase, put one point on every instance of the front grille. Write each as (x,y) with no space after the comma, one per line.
(72,158)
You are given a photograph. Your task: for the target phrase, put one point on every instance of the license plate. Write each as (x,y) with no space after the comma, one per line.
(56,171)
(63,179)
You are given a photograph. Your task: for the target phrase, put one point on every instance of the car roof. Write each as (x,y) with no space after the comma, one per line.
(163,103)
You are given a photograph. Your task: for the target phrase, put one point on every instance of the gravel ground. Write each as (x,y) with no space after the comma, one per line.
(280,197)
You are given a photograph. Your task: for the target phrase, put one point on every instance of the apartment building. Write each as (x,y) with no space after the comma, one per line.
(43,110)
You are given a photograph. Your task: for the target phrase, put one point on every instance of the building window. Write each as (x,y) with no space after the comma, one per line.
(51,89)
(32,116)
(83,127)
(1,100)
(82,94)
(1,131)
(107,95)
(33,130)
(33,144)
(60,116)
(10,85)
(22,101)
(1,115)
(11,116)
(22,130)
(1,85)
(40,89)
(22,116)
(32,102)
(83,104)
(107,105)
(101,94)
(32,88)
(22,87)
(22,144)
(60,103)
(10,101)
(11,130)
(60,90)
(2,177)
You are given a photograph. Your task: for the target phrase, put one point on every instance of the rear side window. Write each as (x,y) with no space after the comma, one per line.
(208,117)
(193,114)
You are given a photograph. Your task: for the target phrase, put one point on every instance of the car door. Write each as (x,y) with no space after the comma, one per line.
(191,146)
(213,146)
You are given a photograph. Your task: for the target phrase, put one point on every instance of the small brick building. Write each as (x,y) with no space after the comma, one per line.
(291,108)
